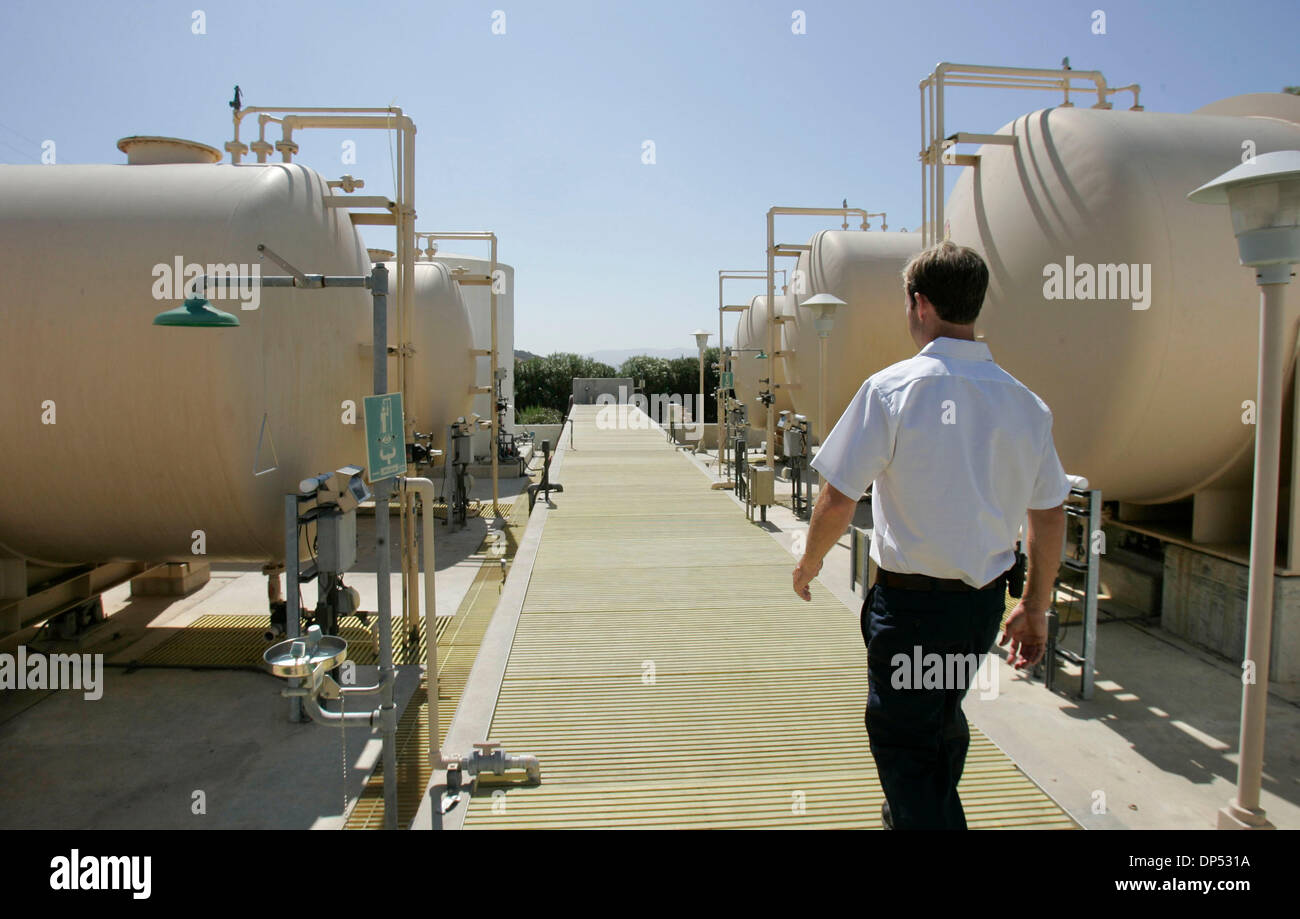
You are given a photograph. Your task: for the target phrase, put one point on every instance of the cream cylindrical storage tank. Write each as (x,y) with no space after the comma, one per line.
(870,332)
(442,367)
(1117,300)
(123,438)
(478,301)
(751,337)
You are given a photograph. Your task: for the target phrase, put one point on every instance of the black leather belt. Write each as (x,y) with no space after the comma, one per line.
(925,582)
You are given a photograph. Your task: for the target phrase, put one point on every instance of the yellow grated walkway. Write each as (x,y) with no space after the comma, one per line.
(660,689)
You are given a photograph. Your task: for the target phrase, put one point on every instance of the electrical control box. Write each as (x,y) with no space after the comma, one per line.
(336,540)
(762,485)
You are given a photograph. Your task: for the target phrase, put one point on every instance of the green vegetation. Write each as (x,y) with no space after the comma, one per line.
(539,414)
(678,376)
(545,383)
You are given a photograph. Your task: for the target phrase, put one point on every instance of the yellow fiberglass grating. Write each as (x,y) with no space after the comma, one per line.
(660,688)
(239,641)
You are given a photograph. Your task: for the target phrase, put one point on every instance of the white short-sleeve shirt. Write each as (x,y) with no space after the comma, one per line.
(958,449)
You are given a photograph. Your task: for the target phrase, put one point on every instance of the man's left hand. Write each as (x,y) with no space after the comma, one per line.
(804,572)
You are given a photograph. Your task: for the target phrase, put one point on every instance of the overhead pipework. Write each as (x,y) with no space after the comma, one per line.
(794,250)
(726,367)
(936,146)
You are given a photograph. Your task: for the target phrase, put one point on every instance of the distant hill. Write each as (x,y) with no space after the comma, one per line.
(525,355)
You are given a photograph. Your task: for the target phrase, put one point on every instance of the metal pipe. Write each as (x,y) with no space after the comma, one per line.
(382,489)
(722,440)
(496,416)
(822,429)
(932,89)
(700,402)
(493,356)
(427,493)
(344,719)
(292,613)
(940,183)
(771,335)
(1263,546)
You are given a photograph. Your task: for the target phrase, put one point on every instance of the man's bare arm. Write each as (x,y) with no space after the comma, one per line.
(830,519)
(1026,627)
(1046,539)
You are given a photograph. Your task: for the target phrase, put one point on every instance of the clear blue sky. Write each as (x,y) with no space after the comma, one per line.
(537,134)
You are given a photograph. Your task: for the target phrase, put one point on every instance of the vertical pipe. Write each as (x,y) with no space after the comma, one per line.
(388,719)
(496,416)
(701,402)
(1263,546)
(292,613)
(940,185)
(425,489)
(1090,607)
(722,438)
(924,84)
(771,338)
(822,429)
(1293,530)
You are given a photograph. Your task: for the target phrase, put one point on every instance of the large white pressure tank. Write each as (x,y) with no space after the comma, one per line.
(441,371)
(865,271)
(749,368)
(478,301)
(1147,386)
(122,438)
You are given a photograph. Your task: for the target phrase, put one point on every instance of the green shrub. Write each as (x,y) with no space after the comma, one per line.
(539,414)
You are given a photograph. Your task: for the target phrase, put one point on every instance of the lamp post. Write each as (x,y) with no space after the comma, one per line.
(823,307)
(701,341)
(1263,196)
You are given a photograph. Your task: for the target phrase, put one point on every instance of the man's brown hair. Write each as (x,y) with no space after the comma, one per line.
(954,278)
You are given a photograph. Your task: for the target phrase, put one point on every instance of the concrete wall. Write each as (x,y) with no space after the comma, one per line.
(549,432)
(1204,601)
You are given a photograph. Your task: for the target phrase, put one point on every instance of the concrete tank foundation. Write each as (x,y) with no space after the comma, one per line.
(1204,601)
(174,579)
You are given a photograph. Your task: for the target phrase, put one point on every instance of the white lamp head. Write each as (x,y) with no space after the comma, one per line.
(1263,196)
(823,307)
(701,338)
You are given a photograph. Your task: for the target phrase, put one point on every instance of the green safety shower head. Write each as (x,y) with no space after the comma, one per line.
(197,314)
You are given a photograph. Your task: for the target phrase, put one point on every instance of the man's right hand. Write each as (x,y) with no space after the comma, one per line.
(1027,632)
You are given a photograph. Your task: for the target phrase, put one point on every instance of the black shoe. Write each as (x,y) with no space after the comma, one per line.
(886,821)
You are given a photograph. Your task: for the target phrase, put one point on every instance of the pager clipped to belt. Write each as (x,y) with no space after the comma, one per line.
(1016,577)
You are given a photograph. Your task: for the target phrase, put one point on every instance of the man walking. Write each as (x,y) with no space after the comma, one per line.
(959,451)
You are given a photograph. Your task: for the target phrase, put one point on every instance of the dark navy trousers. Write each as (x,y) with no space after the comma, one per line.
(919,735)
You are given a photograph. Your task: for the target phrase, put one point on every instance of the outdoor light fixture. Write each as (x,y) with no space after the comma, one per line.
(823,307)
(1263,197)
(701,342)
(196,313)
